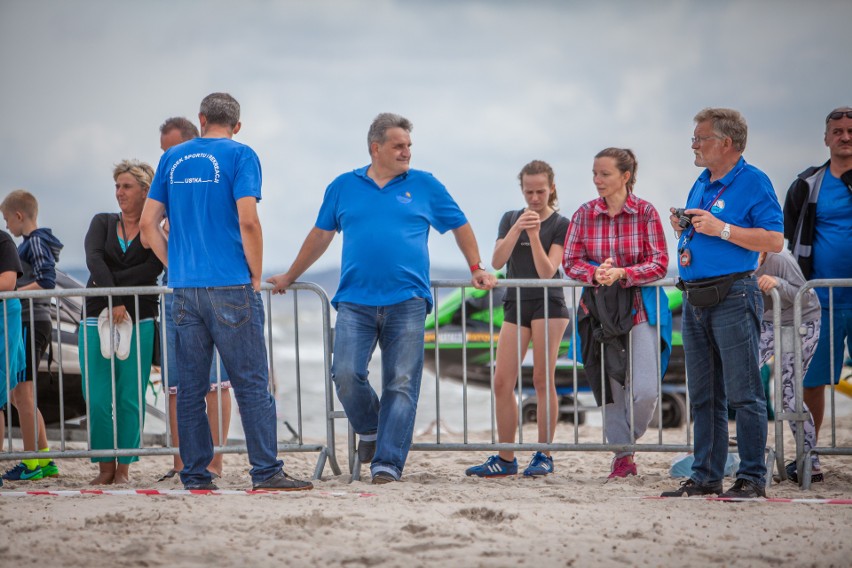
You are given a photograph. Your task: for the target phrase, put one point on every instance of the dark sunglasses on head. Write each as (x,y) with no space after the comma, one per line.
(838,114)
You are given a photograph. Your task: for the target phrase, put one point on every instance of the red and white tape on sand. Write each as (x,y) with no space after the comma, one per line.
(171,492)
(768,500)
(182,492)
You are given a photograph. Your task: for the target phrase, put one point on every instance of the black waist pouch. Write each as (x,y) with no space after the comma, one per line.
(708,292)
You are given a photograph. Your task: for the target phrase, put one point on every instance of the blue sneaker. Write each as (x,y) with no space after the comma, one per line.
(22,473)
(494,467)
(540,465)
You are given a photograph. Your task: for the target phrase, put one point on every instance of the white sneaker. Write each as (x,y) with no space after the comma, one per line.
(124,331)
(121,336)
(104,334)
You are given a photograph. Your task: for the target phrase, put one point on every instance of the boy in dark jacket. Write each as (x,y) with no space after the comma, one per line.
(39,253)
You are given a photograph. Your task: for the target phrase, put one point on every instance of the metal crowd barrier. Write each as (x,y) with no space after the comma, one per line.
(62,326)
(326,451)
(803,460)
(466,444)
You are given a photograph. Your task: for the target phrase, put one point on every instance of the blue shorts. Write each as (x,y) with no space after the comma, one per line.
(819,373)
(172,376)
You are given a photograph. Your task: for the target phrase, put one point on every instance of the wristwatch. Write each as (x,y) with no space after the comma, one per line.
(475,267)
(726,232)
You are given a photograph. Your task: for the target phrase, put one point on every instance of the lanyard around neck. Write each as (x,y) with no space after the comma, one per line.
(691,232)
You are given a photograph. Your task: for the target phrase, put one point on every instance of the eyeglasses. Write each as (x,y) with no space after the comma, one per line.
(838,114)
(700,139)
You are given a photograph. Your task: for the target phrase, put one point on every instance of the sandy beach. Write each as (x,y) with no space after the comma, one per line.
(435,517)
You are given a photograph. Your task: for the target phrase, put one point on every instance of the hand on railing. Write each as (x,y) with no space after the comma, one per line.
(280,282)
(482,280)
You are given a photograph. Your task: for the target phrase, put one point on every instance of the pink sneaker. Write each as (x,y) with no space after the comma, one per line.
(621,467)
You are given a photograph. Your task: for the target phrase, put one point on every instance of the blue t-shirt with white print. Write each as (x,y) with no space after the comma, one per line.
(199,182)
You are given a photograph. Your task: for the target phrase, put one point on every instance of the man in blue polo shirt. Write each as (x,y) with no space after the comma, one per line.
(818,224)
(735,215)
(209,188)
(385,211)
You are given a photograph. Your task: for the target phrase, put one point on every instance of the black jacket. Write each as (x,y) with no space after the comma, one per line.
(605,318)
(109,266)
(800,213)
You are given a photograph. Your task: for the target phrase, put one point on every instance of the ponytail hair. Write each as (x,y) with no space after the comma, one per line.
(541,167)
(625,161)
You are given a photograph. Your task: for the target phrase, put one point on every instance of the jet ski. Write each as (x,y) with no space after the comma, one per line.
(460,334)
(62,350)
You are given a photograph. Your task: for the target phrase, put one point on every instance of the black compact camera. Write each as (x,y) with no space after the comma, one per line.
(683,220)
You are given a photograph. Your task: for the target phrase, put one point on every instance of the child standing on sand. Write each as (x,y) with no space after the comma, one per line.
(38,254)
(782,272)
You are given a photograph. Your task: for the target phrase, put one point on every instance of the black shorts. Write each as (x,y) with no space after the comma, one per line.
(534,310)
(41,332)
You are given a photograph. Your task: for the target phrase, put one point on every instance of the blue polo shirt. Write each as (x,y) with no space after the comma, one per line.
(386,233)
(832,247)
(748,201)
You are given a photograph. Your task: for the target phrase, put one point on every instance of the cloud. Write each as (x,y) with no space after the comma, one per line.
(489,86)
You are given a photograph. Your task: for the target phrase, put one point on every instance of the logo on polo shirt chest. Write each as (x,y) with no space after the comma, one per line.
(718,206)
(404,196)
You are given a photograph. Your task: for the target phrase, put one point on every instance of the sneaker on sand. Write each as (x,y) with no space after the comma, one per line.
(622,467)
(50,470)
(283,482)
(22,473)
(382,477)
(540,465)
(201,487)
(690,488)
(494,467)
(744,489)
(793,475)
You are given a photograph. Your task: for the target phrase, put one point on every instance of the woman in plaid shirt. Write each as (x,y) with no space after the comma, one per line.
(617,239)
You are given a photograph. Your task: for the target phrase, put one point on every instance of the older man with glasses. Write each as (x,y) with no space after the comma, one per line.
(731,215)
(817,225)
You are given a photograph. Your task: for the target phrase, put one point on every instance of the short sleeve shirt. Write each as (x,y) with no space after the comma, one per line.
(744,197)
(9,259)
(199,182)
(521,264)
(385,234)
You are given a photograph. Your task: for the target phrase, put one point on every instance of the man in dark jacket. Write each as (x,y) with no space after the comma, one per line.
(817,225)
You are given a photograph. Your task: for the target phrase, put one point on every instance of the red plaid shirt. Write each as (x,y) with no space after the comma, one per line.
(634,239)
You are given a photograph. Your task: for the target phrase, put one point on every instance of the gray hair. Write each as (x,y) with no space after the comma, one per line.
(143,172)
(838,109)
(382,123)
(221,109)
(726,122)
(187,129)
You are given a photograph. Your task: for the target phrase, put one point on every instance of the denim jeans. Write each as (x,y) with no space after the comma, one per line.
(721,347)
(232,319)
(398,330)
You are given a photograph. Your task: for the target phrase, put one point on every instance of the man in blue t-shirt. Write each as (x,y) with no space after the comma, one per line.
(735,215)
(209,188)
(385,211)
(818,225)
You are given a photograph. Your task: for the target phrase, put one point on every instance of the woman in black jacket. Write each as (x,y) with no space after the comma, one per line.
(116,257)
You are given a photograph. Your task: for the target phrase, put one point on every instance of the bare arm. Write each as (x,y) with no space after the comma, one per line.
(8,280)
(316,243)
(152,234)
(503,247)
(466,241)
(252,236)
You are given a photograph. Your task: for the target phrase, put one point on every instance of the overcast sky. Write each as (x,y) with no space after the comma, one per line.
(488,85)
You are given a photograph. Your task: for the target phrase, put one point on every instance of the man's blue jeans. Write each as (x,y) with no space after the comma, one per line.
(721,347)
(398,330)
(232,318)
